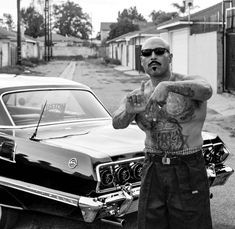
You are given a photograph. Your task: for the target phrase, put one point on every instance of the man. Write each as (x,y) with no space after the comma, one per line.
(170,109)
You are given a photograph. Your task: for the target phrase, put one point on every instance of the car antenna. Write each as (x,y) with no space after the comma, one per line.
(40,118)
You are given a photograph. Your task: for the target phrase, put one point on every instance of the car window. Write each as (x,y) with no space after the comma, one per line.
(55,105)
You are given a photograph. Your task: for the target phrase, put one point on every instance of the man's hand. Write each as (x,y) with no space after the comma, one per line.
(158,97)
(136,100)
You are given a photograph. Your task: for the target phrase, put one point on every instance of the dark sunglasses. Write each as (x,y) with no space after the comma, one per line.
(157,51)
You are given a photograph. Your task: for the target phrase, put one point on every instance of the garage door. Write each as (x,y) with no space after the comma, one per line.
(180,51)
(5,54)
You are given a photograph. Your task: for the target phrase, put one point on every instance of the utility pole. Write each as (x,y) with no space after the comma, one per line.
(19,61)
(47,42)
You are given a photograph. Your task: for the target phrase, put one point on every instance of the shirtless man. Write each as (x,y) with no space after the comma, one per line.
(171,110)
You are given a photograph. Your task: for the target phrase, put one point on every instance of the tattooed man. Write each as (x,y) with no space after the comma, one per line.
(171,109)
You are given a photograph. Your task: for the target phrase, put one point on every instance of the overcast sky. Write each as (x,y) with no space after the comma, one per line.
(107,10)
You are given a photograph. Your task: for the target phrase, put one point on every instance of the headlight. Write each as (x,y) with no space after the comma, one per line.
(136,170)
(215,153)
(106,177)
(112,175)
(122,174)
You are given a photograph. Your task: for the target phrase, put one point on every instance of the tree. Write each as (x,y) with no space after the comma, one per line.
(33,22)
(70,20)
(128,20)
(132,15)
(161,16)
(122,27)
(181,8)
(9,21)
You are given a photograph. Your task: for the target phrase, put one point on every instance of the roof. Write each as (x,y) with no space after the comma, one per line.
(7,34)
(8,81)
(105,26)
(149,31)
(194,18)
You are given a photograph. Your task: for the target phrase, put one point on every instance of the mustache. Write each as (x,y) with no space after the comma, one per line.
(154,62)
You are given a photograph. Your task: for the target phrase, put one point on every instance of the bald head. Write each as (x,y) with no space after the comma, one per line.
(155,42)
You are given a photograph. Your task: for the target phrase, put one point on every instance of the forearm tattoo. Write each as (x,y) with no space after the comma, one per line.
(185,90)
(122,120)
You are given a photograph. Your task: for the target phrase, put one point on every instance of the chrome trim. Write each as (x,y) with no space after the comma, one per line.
(52,194)
(11,206)
(45,89)
(90,207)
(51,123)
(113,163)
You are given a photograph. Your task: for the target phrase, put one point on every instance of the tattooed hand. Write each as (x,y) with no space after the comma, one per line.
(158,97)
(136,100)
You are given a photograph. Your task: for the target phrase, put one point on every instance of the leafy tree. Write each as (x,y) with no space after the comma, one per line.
(122,27)
(33,22)
(181,8)
(128,20)
(70,20)
(9,21)
(131,14)
(161,16)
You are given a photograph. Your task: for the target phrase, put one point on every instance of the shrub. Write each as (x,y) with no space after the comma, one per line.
(108,60)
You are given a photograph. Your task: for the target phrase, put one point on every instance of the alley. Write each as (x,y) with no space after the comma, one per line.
(110,86)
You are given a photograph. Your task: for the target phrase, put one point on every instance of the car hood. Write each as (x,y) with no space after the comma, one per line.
(100,141)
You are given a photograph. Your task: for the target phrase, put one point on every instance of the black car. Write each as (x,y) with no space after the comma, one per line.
(60,155)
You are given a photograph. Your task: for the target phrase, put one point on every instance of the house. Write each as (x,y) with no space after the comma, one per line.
(104,30)
(8,47)
(198,43)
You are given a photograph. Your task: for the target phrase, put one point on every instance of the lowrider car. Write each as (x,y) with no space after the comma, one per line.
(60,155)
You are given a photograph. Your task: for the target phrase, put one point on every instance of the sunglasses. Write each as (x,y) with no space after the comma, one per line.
(157,51)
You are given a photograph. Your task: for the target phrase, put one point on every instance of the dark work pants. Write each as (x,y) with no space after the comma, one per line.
(174,196)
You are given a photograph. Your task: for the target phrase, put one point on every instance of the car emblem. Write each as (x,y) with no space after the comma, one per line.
(73,162)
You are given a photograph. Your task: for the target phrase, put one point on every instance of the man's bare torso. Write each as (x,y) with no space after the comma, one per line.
(175,126)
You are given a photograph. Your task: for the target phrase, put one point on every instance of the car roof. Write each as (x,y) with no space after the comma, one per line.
(30,81)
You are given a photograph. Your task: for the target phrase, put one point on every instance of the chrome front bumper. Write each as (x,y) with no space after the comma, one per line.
(114,204)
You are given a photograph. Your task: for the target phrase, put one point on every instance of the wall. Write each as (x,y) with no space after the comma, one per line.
(29,50)
(203,58)
(73,51)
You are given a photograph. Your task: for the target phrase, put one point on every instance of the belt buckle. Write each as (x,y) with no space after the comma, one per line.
(166,160)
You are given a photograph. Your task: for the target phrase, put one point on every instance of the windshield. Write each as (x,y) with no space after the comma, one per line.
(60,105)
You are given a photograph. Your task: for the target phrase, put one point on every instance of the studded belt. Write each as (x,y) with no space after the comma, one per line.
(176,157)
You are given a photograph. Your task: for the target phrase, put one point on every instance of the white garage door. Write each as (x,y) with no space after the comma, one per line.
(5,53)
(180,51)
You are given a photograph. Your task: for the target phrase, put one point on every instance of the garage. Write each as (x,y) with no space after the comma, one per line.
(179,48)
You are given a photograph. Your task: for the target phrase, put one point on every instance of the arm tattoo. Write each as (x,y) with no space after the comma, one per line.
(185,90)
(122,119)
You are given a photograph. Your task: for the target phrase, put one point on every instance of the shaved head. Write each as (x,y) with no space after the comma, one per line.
(155,42)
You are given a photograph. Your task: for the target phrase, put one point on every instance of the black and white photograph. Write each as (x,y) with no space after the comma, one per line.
(117,114)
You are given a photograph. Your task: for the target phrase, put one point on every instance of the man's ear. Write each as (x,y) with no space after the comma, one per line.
(170,57)
(141,61)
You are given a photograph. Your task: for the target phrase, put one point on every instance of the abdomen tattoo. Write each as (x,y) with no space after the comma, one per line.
(167,135)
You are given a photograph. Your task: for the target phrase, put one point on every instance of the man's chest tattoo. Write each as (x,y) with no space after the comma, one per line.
(167,135)
(165,126)
(179,107)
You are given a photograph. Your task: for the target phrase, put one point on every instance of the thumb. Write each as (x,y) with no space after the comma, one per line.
(142,87)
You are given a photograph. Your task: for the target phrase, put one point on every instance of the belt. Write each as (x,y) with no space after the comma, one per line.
(168,159)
